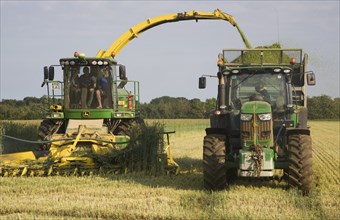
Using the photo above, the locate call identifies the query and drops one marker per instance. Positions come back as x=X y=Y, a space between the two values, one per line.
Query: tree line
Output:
x=319 y=107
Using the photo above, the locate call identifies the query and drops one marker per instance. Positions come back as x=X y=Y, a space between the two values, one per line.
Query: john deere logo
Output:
x=86 y=114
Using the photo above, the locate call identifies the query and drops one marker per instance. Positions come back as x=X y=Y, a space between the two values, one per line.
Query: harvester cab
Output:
x=92 y=88
x=89 y=88
x=260 y=123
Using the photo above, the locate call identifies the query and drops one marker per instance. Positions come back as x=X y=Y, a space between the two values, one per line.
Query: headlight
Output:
x=277 y=70
x=246 y=117
x=265 y=117
x=287 y=70
x=56 y=115
x=217 y=112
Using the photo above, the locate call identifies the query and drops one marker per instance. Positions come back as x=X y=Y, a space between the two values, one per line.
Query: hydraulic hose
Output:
x=62 y=139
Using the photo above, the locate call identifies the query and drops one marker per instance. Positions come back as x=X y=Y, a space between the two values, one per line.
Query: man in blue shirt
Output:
x=103 y=89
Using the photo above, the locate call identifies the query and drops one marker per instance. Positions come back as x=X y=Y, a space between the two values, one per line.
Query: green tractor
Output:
x=90 y=89
x=259 y=128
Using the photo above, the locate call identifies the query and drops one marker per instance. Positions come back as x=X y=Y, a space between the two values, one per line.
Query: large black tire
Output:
x=299 y=172
x=214 y=167
x=46 y=129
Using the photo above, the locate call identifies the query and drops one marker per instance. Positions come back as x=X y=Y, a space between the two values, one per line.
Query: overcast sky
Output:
x=167 y=59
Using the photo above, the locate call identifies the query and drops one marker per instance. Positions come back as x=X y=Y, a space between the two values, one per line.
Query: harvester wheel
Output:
x=214 y=168
x=299 y=172
x=46 y=129
x=125 y=125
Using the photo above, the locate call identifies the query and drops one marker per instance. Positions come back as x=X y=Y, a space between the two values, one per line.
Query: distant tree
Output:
x=323 y=107
x=197 y=108
x=31 y=100
x=319 y=107
x=209 y=105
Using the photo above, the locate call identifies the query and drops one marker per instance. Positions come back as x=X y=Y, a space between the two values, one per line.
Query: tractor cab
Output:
x=274 y=76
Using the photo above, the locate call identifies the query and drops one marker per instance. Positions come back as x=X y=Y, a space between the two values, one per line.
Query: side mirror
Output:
x=122 y=72
x=311 y=79
x=45 y=72
x=51 y=73
x=202 y=82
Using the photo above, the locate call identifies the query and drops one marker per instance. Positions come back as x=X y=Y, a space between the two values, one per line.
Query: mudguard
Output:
x=290 y=131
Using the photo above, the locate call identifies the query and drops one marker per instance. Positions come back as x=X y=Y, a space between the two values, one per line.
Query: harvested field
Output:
x=138 y=196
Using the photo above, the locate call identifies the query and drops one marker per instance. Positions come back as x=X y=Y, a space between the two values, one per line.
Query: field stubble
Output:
x=139 y=196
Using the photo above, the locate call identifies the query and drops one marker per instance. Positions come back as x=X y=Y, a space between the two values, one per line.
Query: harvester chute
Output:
x=136 y=30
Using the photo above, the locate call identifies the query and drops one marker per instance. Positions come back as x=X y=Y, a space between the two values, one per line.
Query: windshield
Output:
x=88 y=87
x=258 y=87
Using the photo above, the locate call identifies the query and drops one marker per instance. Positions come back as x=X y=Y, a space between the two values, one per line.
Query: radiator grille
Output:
x=263 y=129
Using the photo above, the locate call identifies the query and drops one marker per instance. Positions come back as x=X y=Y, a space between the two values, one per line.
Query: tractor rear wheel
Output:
x=214 y=168
x=299 y=172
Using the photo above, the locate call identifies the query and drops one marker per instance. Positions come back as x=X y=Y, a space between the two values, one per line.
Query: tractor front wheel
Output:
x=214 y=168
x=299 y=172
